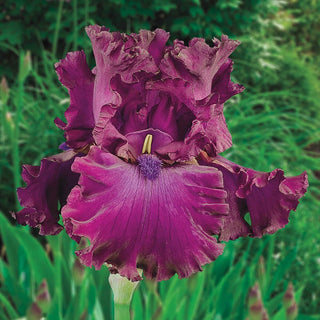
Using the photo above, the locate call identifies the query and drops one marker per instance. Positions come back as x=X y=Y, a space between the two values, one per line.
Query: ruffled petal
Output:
x=116 y=53
x=206 y=68
x=267 y=196
x=163 y=226
x=77 y=77
x=200 y=79
x=131 y=113
x=48 y=186
x=153 y=41
x=198 y=138
x=176 y=87
x=218 y=134
x=208 y=111
x=164 y=116
x=190 y=147
x=107 y=135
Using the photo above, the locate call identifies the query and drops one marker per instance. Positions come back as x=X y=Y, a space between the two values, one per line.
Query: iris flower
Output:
x=141 y=176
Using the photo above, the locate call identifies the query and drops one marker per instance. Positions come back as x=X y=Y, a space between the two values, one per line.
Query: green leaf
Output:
x=40 y=265
x=11 y=244
x=137 y=306
x=283 y=267
x=8 y=307
x=280 y=315
x=193 y=303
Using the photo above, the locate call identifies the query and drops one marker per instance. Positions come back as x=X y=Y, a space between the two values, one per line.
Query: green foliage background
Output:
x=274 y=123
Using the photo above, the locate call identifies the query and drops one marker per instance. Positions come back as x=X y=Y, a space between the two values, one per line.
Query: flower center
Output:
x=149 y=164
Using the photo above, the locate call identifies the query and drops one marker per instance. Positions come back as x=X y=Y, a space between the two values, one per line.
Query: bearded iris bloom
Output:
x=141 y=176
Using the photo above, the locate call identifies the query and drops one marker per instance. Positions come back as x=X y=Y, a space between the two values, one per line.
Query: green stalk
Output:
x=57 y=251
x=121 y=311
x=24 y=68
x=75 y=23
x=4 y=97
x=123 y=290
x=269 y=263
x=57 y=29
x=86 y=10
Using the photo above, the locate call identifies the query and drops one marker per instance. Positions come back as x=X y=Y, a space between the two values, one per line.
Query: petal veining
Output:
x=163 y=226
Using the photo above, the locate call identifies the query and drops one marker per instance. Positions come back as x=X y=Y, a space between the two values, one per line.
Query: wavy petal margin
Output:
x=48 y=186
x=206 y=68
x=163 y=226
x=75 y=75
x=116 y=53
x=267 y=196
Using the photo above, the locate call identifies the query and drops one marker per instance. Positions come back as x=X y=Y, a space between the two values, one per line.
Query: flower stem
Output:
x=121 y=311
x=57 y=29
x=122 y=289
x=75 y=24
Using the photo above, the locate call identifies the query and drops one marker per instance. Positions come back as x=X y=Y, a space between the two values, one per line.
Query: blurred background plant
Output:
x=274 y=123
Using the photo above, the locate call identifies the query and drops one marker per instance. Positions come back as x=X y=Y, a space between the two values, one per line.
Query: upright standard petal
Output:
x=206 y=68
x=199 y=77
x=162 y=222
x=115 y=53
x=76 y=76
x=48 y=187
x=267 y=196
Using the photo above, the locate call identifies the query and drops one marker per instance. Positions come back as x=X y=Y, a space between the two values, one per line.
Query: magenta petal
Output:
x=267 y=196
x=219 y=135
x=176 y=87
x=198 y=139
x=153 y=41
x=131 y=112
x=164 y=117
x=163 y=226
x=48 y=186
x=116 y=53
x=189 y=148
x=76 y=76
x=204 y=67
x=107 y=135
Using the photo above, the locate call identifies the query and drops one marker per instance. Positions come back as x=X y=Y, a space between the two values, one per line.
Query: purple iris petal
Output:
x=116 y=53
x=204 y=67
x=153 y=41
x=267 y=196
x=131 y=114
x=207 y=71
x=106 y=134
x=75 y=75
x=163 y=225
x=48 y=187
